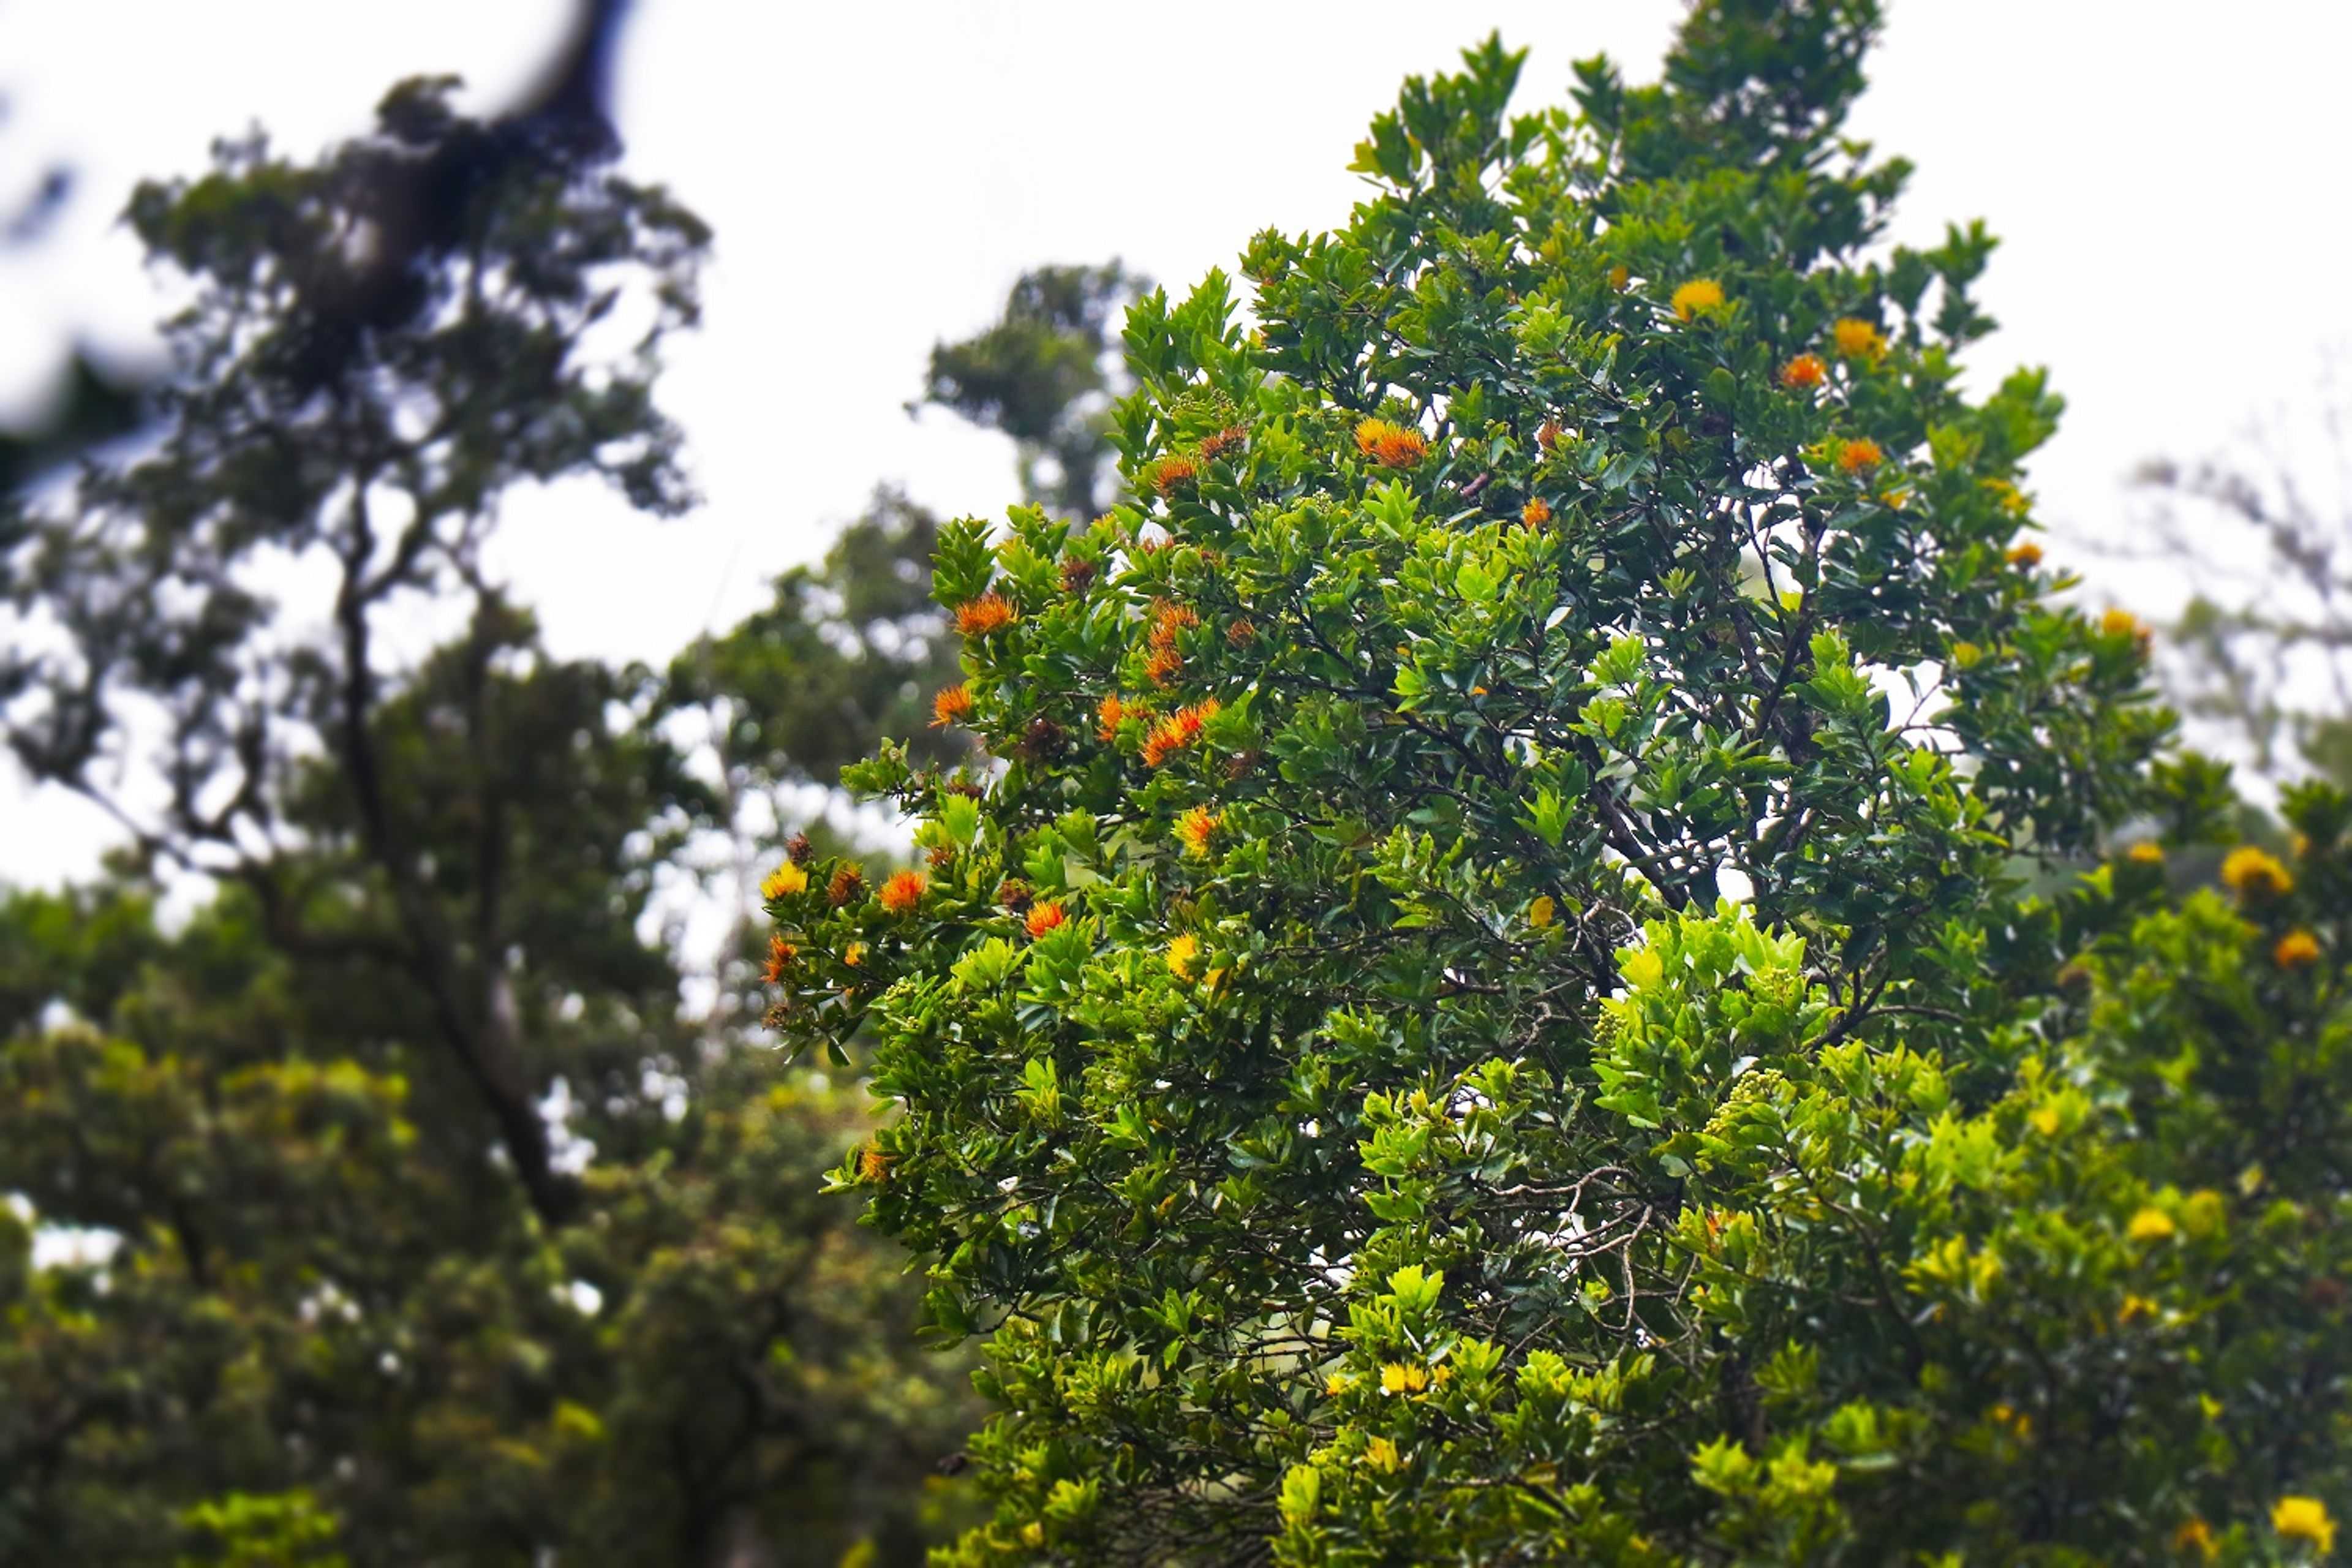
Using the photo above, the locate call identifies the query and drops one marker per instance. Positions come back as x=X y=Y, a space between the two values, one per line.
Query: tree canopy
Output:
x=1561 y=949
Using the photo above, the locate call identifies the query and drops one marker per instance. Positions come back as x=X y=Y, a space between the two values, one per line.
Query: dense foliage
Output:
x=1328 y=1069
x=389 y=1207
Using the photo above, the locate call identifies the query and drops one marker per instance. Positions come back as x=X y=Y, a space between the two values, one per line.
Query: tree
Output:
x=2259 y=652
x=439 y=1225
x=1045 y=373
x=1328 y=1069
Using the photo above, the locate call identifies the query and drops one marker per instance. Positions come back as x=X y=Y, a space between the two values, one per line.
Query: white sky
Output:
x=2165 y=179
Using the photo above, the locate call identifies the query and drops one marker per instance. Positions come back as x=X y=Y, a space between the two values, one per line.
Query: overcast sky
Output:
x=2165 y=178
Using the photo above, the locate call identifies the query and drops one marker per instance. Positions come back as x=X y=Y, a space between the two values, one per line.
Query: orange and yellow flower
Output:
x=2025 y=555
x=2298 y=949
x=1182 y=955
x=780 y=954
x=951 y=706
x=987 y=614
x=1176 y=731
x=1859 y=456
x=1802 y=371
x=783 y=882
x=847 y=883
x=1196 y=828
x=1044 y=918
x=1171 y=472
x=1391 y=445
x=1107 y=715
x=903 y=891
x=1535 y=513
x=2121 y=623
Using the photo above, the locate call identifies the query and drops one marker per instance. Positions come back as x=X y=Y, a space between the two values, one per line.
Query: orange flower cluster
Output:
x=1044 y=918
x=1171 y=472
x=951 y=706
x=780 y=954
x=873 y=1165
x=2298 y=949
x=1535 y=513
x=1108 y=714
x=978 y=617
x=1391 y=445
x=1804 y=370
x=1224 y=441
x=1242 y=633
x=1176 y=731
x=2025 y=556
x=1162 y=665
x=1196 y=828
x=903 y=891
x=1859 y=456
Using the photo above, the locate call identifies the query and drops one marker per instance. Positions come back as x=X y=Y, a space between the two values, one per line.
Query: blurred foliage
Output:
x=418 y=1221
x=1330 y=1085
x=2260 y=658
x=1046 y=374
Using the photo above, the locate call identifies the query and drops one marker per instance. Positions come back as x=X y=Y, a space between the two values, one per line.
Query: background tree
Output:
x=436 y=1219
x=1047 y=375
x=1327 y=1074
x=2260 y=658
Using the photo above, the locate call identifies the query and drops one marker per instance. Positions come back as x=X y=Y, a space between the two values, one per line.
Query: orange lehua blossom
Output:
x=780 y=954
x=1161 y=667
x=1171 y=472
x=1176 y=731
x=978 y=617
x=951 y=706
x=903 y=891
x=1391 y=445
x=2025 y=555
x=1108 y=715
x=2252 y=873
x=1804 y=370
x=1044 y=918
x=2298 y=949
x=1169 y=620
x=1535 y=513
x=873 y=1165
x=1196 y=828
x=1860 y=455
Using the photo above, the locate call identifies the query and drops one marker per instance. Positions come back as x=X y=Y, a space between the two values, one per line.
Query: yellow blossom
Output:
x=1402 y=1377
x=784 y=881
x=1698 y=294
x=1535 y=513
x=1541 y=912
x=2146 y=852
x=2196 y=1536
x=1182 y=955
x=2121 y=623
x=1858 y=338
x=2305 y=1519
x=2252 y=873
x=1382 y=1454
x=1391 y=445
x=2025 y=556
x=2047 y=1120
x=2150 y=1224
